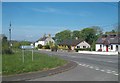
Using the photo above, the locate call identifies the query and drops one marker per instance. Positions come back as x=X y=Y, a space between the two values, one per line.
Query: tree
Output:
x=16 y=44
x=88 y=34
x=66 y=34
x=76 y=34
x=109 y=32
x=5 y=45
x=98 y=30
x=25 y=43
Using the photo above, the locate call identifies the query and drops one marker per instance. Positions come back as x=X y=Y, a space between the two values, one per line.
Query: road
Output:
x=90 y=68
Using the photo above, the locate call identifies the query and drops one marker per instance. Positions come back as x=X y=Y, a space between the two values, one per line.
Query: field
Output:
x=13 y=64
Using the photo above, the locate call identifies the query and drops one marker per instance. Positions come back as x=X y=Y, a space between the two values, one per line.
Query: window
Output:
x=100 y=46
x=78 y=46
x=116 y=47
x=111 y=47
x=84 y=46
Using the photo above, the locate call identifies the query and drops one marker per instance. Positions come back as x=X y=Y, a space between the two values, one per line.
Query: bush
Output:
x=40 y=46
x=7 y=51
x=82 y=49
x=63 y=47
x=47 y=47
x=54 y=48
x=100 y=50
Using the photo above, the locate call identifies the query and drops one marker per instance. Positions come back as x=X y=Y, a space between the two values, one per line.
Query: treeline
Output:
x=89 y=34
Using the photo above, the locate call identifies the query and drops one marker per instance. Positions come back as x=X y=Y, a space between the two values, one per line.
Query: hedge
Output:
x=82 y=49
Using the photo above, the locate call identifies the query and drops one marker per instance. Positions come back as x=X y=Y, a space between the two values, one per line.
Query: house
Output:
x=44 y=41
x=74 y=43
x=108 y=43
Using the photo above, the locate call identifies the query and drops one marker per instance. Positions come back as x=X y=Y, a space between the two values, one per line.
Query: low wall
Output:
x=101 y=53
x=45 y=49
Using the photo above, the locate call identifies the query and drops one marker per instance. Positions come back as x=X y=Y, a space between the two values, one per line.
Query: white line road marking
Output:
x=116 y=74
x=108 y=72
x=113 y=71
x=80 y=64
x=91 y=67
x=84 y=65
x=97 y=68
x=87 y=65
x=102 y=70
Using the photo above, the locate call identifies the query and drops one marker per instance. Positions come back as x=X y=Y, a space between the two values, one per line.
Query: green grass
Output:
x=13 y=64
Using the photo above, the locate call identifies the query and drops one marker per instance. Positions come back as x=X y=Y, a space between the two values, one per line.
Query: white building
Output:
x=108 y=43
x=83 y=44
x=43 y=41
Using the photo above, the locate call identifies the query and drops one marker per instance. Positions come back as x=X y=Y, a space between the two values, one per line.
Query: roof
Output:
x=109 y=39
x=71 y=42
x=42 y=39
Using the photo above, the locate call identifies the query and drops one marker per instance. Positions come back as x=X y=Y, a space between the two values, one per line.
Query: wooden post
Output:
x=32 y=55
x=23 y=56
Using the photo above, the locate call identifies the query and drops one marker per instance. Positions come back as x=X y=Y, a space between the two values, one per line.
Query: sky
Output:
x=31 y=20
x=60 y=0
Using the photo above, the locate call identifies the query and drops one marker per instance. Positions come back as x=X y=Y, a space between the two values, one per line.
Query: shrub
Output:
x=7 y=51
x=63 y=47
x=82 y=49
x=47 y=47
x=100 y=50
x=40 y=46
x=54 y=48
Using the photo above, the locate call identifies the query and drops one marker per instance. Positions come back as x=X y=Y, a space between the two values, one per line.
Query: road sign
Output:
x=27 y=47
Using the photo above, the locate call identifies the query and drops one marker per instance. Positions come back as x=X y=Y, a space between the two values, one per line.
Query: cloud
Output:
x=45 y=10
x=62 y=12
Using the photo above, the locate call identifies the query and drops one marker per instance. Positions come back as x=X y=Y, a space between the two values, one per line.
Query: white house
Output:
x=45 y=40
x=83 y=44
x=74 y=43
x=108 y=43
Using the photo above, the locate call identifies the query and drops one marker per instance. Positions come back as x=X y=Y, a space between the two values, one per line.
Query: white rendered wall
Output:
x=83 y=44
x=109 y=47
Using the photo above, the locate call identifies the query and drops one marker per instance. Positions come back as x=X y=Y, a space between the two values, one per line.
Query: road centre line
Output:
x=102 y=70
x=91 y=67
x=97 y=68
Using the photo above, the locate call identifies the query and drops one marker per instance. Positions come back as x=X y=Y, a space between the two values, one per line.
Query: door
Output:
x=106 y=48
x=116 y=47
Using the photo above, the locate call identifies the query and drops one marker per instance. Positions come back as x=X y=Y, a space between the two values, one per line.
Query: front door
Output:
x=106 y=48
x=116 y=47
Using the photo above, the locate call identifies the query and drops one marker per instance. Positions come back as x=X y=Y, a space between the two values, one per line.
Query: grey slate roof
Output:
x=70 y=42
x=110 y=39
x=42 y=39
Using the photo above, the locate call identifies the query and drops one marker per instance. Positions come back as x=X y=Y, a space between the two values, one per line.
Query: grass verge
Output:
x=13 y=64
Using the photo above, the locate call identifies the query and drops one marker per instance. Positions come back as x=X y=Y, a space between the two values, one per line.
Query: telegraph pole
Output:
x=10 y=35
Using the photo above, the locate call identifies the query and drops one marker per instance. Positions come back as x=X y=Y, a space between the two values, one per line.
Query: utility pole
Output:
x=10 y=35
